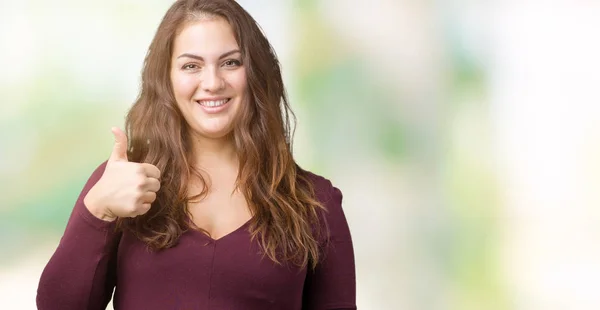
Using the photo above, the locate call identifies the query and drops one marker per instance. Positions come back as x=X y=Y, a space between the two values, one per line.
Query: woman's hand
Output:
x=126 y=189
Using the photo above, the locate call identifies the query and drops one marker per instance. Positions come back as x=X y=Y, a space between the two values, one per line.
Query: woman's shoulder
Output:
x=325 y=191
x=331 y=199
x=322 y=185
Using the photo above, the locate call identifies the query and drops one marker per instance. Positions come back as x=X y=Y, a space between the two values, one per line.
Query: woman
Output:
x=205 y=208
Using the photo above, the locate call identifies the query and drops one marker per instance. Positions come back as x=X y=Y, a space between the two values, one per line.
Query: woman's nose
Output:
x=211 y=80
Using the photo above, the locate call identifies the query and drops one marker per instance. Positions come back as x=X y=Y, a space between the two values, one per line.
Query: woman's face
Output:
x=208 y=77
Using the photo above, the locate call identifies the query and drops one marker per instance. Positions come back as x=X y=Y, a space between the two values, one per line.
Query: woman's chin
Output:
x=213 y=133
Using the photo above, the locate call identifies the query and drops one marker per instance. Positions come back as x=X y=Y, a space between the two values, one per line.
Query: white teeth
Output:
x=213 y=103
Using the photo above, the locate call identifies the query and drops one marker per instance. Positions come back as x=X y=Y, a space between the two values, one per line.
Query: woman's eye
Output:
x=232 y=63
x=189 y=66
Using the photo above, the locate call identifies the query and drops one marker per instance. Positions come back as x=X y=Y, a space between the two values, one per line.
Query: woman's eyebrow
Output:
x=202 y=59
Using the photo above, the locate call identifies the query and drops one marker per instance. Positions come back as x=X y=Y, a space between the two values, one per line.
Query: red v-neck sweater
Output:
x=92 y=260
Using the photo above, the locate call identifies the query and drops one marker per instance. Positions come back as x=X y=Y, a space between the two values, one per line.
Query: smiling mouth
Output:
x=213 y=103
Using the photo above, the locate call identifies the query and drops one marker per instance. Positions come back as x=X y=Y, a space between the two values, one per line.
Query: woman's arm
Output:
x=332 y=285
x=81 y=273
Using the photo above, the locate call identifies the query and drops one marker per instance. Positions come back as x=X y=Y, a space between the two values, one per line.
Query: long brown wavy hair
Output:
x=280 y=195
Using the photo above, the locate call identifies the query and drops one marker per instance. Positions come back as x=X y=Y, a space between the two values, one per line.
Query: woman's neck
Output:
x=215 y=154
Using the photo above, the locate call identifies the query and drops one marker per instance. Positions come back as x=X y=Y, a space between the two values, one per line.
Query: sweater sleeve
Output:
x=81 y=273
x=332 y=284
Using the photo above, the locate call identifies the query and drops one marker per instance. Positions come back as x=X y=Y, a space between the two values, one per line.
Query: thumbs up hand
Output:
x=126 y=189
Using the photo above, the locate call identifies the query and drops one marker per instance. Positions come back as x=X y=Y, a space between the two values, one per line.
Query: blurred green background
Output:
x=465 y=136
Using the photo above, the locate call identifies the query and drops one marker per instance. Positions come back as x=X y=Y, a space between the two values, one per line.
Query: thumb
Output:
x=119 y=152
